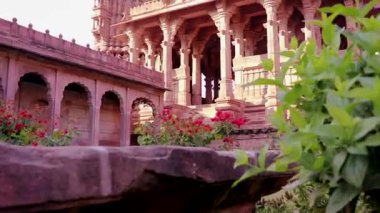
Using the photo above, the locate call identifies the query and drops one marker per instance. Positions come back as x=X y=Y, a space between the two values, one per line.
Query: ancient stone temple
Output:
x=209 y=51
x=196 y=56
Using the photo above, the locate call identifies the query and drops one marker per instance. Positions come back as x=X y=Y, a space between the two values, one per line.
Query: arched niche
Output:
x=75 y=111
x=110 y=120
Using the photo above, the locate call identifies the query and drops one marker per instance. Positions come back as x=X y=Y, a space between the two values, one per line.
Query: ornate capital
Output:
x=170 y=26
x=221 y=19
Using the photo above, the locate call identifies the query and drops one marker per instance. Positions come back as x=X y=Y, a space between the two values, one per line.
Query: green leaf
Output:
x=241 y=158
x=318 y=164
x=368 y=7
x=372 y=140
x=248 y=174
x=294 y=43
x=267 y=81
x=267 y=64
x=341 y=197
x=338 y=162
x=340 y=116
x=358 y=149
x=364 y=126
x=361 y=93
x=281 y=166
x=263 y=157
x=288 y=53
x=355 y=169
x=297 y=119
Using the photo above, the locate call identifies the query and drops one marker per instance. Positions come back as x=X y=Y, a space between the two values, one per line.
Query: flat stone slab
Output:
x=128 y=179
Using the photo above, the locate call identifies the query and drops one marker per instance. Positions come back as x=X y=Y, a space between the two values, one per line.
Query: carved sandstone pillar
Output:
x=208 y=88
x=273 y=51
x=151 y=57
x=196 y=78
x=350 y=24
x=184 y=97
x=239 y=44
x=221 y=19
x=169 y=29
x=310 y=8
x=284 y=39
x=95 y=116
x=134 y=45
x=12 y=80
x=184 y=79
x=238 y=29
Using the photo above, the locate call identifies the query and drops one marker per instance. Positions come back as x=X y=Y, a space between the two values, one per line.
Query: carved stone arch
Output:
x=86 y=89
x=41 y=75
x=146 y=101
x=34 y=93
x=76 y=108
x=110 y=119
x=119 y=97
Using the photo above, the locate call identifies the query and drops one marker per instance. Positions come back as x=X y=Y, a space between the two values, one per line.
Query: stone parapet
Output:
x=130 y=179
x=26 y=39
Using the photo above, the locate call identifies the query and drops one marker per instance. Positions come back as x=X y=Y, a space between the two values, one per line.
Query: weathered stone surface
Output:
x=130 y=179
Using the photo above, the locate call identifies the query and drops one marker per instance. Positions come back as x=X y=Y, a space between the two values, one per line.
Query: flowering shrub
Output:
x=169 y=129
x=24 y=128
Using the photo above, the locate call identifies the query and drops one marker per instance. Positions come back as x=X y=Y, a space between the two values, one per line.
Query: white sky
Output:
x=72 y=18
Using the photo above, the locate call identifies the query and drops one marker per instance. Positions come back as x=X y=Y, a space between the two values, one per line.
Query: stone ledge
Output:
x=34 y=179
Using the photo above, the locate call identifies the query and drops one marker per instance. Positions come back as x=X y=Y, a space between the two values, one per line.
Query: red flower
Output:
x=221 y=116
x=208 y=127
x=23 y=114
x=216 y=119
x=41 y=133
x=34 y=143
x=19 y=126
x=198 y=122
x=228 y=140
x=239 y=121
x=8 y=123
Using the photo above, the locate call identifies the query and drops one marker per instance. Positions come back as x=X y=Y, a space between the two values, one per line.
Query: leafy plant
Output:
x=169 y=129
x=25 y=128
x=329 y=119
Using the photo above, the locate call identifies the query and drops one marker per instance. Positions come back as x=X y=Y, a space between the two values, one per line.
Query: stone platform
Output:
x=130 y=179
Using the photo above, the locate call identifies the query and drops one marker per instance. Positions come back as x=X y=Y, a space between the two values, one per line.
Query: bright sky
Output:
x=72 y=18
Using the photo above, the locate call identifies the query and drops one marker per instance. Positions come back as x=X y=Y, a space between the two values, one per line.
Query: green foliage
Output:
x=332 y=129
x=303 y=199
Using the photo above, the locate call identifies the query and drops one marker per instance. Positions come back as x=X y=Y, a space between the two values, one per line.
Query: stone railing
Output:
x=254 y=93
x=248 y=62
x=15 y=36
x=147 y=6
